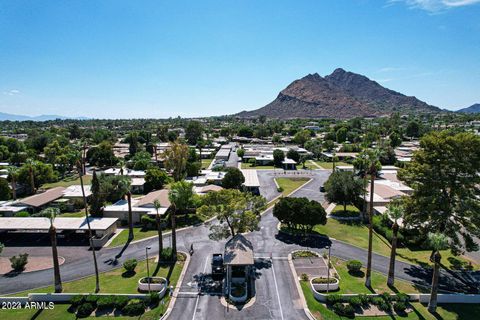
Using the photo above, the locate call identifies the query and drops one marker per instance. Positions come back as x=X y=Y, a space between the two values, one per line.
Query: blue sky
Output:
x=131 y=59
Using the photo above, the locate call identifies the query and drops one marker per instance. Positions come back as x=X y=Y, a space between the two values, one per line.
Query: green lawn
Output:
x=110 y=282
x=444 y=311
x=356 y=284
x=206 y=163
x=139 y=233
x=355 y=233
x=77 y=214
x=329 y=165
x=69 y=181
x=352 y=211
x=290 y=184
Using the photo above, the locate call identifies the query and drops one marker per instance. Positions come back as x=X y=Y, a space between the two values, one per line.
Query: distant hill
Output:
x=340 y=95
x=472 y=109
x=43 y=117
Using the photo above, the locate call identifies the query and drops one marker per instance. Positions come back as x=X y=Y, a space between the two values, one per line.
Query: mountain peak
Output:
x=475 y=108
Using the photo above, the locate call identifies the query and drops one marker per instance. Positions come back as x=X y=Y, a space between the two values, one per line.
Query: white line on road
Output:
x=276 y=288
x=198 y=297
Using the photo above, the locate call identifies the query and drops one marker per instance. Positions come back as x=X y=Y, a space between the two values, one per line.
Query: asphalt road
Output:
x=276 y=294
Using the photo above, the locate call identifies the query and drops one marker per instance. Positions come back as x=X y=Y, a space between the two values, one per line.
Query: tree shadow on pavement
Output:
x=310 y=241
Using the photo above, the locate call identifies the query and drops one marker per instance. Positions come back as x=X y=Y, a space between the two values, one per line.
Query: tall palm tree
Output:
x=438 y=241
x=395 y=212
x=180 y=195
x=157 y=206
x=13 y=174
x=31 y=163
x=52 y=231
x=373 y=160
x=90 y=235
x=124 y=186
x=121 y=163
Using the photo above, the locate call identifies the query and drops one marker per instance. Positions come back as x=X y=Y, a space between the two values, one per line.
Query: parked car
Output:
x=322 y=189
x=217 y=265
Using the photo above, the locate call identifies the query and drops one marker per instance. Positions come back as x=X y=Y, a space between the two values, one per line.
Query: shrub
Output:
x=355 y=302
x=92 y=299
x=280 y=189
x=323 y=280
x=304 y=277
x=153 y=299
x=22 y=214
x=120 y=302
x=386 y=297
x=384 y=306
x=77 y=300
x=377 y=301
x=85 y=310
x=147 y=222
x=130 y=265
x=365 y=300
x=333 y=299
x=304 y=254
x=166 y=254
x=343 y=310
x=135 y=307
x=400 y=307
x=402 y=297
x=105 y=302
x=19 y=263
x=354 y=266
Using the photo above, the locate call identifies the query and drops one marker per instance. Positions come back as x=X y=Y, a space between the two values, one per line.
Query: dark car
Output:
x=217 y=265
x=322 y=189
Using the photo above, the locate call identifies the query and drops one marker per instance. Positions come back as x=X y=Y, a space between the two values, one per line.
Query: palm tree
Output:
x=13 y=174
x=395 y=212
x=373 y=168
x=180 y=196
x=438 y=241
x=90 y=235
x=52 y=231
x=121 y=163
x=124 y=186
x=360 y=164
x=157 y=206
x=31 y=163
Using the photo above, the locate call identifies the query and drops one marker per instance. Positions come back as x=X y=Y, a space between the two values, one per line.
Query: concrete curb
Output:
x=177 y=287
x=299 y=289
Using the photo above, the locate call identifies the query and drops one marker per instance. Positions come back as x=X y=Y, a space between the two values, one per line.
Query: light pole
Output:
x=328 y=269
x=148 y=269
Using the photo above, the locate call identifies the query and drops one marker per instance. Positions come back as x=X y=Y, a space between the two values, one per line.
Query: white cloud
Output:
x=435 y=5
x=11 y=92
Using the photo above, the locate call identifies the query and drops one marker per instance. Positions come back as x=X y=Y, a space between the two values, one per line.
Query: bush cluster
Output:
x=354 y=266
x=130 y=265
x=105 y=302
x=19 y=263
x=85 y=310
x=148 y=222
x=383 y=226
x=134 y=307
x=343 y=309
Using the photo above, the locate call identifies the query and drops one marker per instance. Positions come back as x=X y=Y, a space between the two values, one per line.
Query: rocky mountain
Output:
x=43 y=117
x=472 y=109
x=339 y=95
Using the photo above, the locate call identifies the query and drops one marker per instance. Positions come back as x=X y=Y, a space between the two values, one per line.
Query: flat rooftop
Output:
x=251 y=178
x=41 y=223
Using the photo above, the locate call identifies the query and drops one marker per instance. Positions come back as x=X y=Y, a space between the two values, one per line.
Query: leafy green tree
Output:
x=233 y=179
x=315 y=147
x=97 y=201
x=134 y=144
x=180 y=196
x=4 y=189
x=102 y=155
x=301 y=137
x=341 y=135
x=142 y=160
x=240 y=152
x=413 y=129
x=328 y=145
x=155 y=179
x=237 y=212
x=395 y=139
x=193 y=132
x=300 y=213
x=278 y=157
x=36 y=173
x=245 y=131
x=176 y=159
x=343 y=187
x=294 y=155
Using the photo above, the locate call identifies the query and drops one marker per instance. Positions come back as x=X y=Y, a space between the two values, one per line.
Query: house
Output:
x=137 y=185
x=206 y=189
x=223 y=153
x=251 y=184
x=39 y=201
x=140 y=206
x=102 y=228
x=289 y=164
x=10 y=208
x=238 y=261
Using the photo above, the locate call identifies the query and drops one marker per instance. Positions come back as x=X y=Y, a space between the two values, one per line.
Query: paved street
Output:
x=276 y=294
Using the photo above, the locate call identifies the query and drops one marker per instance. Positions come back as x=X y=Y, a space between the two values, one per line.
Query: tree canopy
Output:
x=300 y=213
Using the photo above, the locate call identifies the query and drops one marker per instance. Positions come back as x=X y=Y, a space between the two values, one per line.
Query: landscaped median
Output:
x=352 y=299
x=123 y=294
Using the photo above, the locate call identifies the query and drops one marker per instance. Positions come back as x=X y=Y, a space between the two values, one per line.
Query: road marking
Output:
x=276 y=288
x=198 y=296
